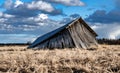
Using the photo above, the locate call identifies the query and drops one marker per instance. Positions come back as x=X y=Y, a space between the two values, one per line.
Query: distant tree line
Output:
x=109 y=41
x=14 y=44
x=100 y=41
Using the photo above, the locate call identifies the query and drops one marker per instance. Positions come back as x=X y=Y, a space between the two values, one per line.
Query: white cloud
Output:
x=40 y=17
x=41 y=5
x=111 y=31
x=26 y=27
x=96 y=26
x=115 y=33
x=17 y=3
x=6 y=27
x=1 y=14
x=2 y=20
x=8 y=16
x=4 y=15
x=8 y=4
x=69 y=2
x=43 y=16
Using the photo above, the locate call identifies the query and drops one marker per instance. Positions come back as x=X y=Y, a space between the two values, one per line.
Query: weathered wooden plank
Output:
x=77 y=40
x=81 y=34
x=61 y=40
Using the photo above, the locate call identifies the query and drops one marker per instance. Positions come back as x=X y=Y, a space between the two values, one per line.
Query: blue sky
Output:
x=25 y=20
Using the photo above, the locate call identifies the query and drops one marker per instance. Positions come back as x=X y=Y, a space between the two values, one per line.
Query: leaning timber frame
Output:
x=75 y=35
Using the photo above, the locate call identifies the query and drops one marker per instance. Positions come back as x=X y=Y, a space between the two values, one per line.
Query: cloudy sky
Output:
x=24 y=20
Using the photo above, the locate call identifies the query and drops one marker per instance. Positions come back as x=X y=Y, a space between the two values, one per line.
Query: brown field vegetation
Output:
x=18 y=59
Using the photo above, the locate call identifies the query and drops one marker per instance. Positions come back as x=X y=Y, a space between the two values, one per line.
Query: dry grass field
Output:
x=18 y=59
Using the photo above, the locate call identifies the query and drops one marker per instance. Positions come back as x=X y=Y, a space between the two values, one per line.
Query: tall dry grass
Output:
x=18 y=59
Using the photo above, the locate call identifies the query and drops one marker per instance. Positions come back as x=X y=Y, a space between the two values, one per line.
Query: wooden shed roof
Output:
x=52 y=33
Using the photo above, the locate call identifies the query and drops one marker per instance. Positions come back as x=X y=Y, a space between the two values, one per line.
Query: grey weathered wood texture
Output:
x=76 y=34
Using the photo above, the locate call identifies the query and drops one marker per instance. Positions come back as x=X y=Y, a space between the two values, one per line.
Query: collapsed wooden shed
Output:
x=76 y=34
